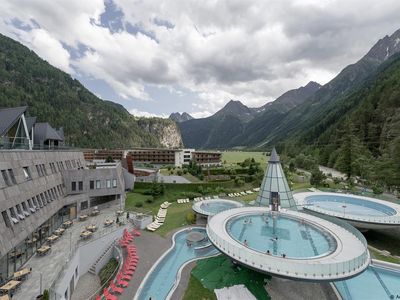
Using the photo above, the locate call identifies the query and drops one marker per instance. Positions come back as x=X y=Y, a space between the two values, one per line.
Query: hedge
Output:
x=108 y=270
x=187 y=187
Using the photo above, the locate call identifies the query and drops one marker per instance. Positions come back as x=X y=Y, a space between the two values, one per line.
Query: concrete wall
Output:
x=84 y=258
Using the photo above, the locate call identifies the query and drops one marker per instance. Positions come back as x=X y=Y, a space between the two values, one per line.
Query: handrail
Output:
x=97 y=235
x=312 y=269
x=99 y=290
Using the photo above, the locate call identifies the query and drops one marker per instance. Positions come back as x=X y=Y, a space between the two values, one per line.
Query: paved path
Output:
x=87 y=285
x=283 y=289
x=150 y=246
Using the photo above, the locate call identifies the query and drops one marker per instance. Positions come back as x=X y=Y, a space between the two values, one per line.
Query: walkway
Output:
x=50 y=265
x=87 y=285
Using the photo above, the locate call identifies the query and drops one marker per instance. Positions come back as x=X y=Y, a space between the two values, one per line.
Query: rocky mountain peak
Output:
x=385 y=47
x=180 y=117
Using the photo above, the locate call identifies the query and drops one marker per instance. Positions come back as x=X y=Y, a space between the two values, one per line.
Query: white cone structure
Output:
x=274 y=191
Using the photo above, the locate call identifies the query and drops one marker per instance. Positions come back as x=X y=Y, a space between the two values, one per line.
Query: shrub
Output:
x=139 y=204
x=45 y=295
x=108 y=270
x=190 y=218
x=377 y=190
x=179 y=172
x=149 y=200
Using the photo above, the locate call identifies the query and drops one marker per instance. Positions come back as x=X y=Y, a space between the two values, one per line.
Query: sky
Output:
x=160 y=56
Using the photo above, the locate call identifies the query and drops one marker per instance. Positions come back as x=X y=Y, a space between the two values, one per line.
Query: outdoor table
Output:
x=120 y=212
x=43 y=250
x=91 y=228
x=86 y=234
x=4 y=297
x=83 y=217
x=108 y=222
x=59 y=231
x=22 y=273
x=52 y=239
x=95 y=212
x=9 y=286
x=67 y=224
x=29 y=242
x=16 y=254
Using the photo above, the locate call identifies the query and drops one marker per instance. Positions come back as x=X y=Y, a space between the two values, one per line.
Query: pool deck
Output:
x=350 y=257
x=150 y=247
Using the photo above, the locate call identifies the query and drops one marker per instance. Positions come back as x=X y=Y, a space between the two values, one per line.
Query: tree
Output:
x=317 y=177
x=109 y=159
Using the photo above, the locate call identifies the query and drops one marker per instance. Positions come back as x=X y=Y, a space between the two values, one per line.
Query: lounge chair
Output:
x=108 y=296
x=115 y=289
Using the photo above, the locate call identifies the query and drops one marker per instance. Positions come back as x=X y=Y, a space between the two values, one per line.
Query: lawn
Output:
x=196 y=291
x=375 y=254
x=233 y=157
x=176 y=216
x=219 y=272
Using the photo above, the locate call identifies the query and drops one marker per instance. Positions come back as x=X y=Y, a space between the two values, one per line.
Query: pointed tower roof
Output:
x=275 y=181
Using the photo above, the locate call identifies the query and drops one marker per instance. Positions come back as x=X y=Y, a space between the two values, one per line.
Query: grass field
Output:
x=196 y=291
x=176 y=216
x=233 y=157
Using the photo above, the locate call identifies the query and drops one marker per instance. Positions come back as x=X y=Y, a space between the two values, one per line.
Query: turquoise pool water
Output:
x=281 y=235
x=215 y=206
x=346 y=204
x=373 y=284
x=161 y=280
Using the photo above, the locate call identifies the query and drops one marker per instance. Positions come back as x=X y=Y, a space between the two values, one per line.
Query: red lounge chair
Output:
x=135 y=232
x=122 y=282
x=108 y=295
x=129 y=268
x=115 y=289
x=98 y=297
x=124 y=277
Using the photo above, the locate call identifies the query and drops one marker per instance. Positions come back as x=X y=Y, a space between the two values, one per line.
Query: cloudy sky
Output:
x=159 y=56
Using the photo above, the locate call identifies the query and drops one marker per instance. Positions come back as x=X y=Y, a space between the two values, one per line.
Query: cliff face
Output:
x=165 y=130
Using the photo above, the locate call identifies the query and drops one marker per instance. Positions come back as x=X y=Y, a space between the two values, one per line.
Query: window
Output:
x=44 y=170
x=19 y=212
x=5 y=177
x=13 y=215
x=98 y=184
x=43 y=199
x=108 y=183
x=6 y=218
x=91 y=184
x=114 y=183
x=25 y=209
x=11 y=173
x=39 y=171
x=27 y=173
x=80 y=185
x=73 y=186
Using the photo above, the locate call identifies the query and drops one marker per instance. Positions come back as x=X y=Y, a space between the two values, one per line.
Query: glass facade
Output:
x=17 y=257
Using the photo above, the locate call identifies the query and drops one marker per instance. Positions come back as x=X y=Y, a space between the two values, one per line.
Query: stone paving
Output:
x=88 y=284
x=49 y=266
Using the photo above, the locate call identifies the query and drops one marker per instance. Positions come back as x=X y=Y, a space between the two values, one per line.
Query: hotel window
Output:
x=24 y=209
x=27 y=173
x=5 y=177
x=114 y=183
x=36 y=202
x=80 y=185
x=31 y=208
x=43 y=199
x=44 y=170
x=98 y=184
x=39 y=170
x=74 y=163
x=6 y=218
x=73 y=186
x=13 y=215
x=11 y=174
x=20 y=214
x=47 y=196
x=108 y=183
x=91 y=184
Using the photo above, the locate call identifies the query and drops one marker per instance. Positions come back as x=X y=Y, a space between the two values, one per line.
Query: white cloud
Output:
x=218 y=50
x=138 y=113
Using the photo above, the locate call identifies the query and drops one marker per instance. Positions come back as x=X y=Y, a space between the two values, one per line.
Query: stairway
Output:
x=92 y=269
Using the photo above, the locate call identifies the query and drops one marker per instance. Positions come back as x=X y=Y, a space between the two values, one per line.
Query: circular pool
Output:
x=214 y=206
x=362 y=212
x=281 y=235
x=289 y=243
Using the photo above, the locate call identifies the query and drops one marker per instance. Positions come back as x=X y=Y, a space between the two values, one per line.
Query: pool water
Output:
x=215 y=206
x=375 y=283
x=354 y=206
x=281 y=235
x=162 y=278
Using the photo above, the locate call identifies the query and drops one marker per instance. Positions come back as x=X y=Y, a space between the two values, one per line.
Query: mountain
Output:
x=236 y=124
x=54 y=97
x=178 y=117
x=318 y=106
x=360 y=135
